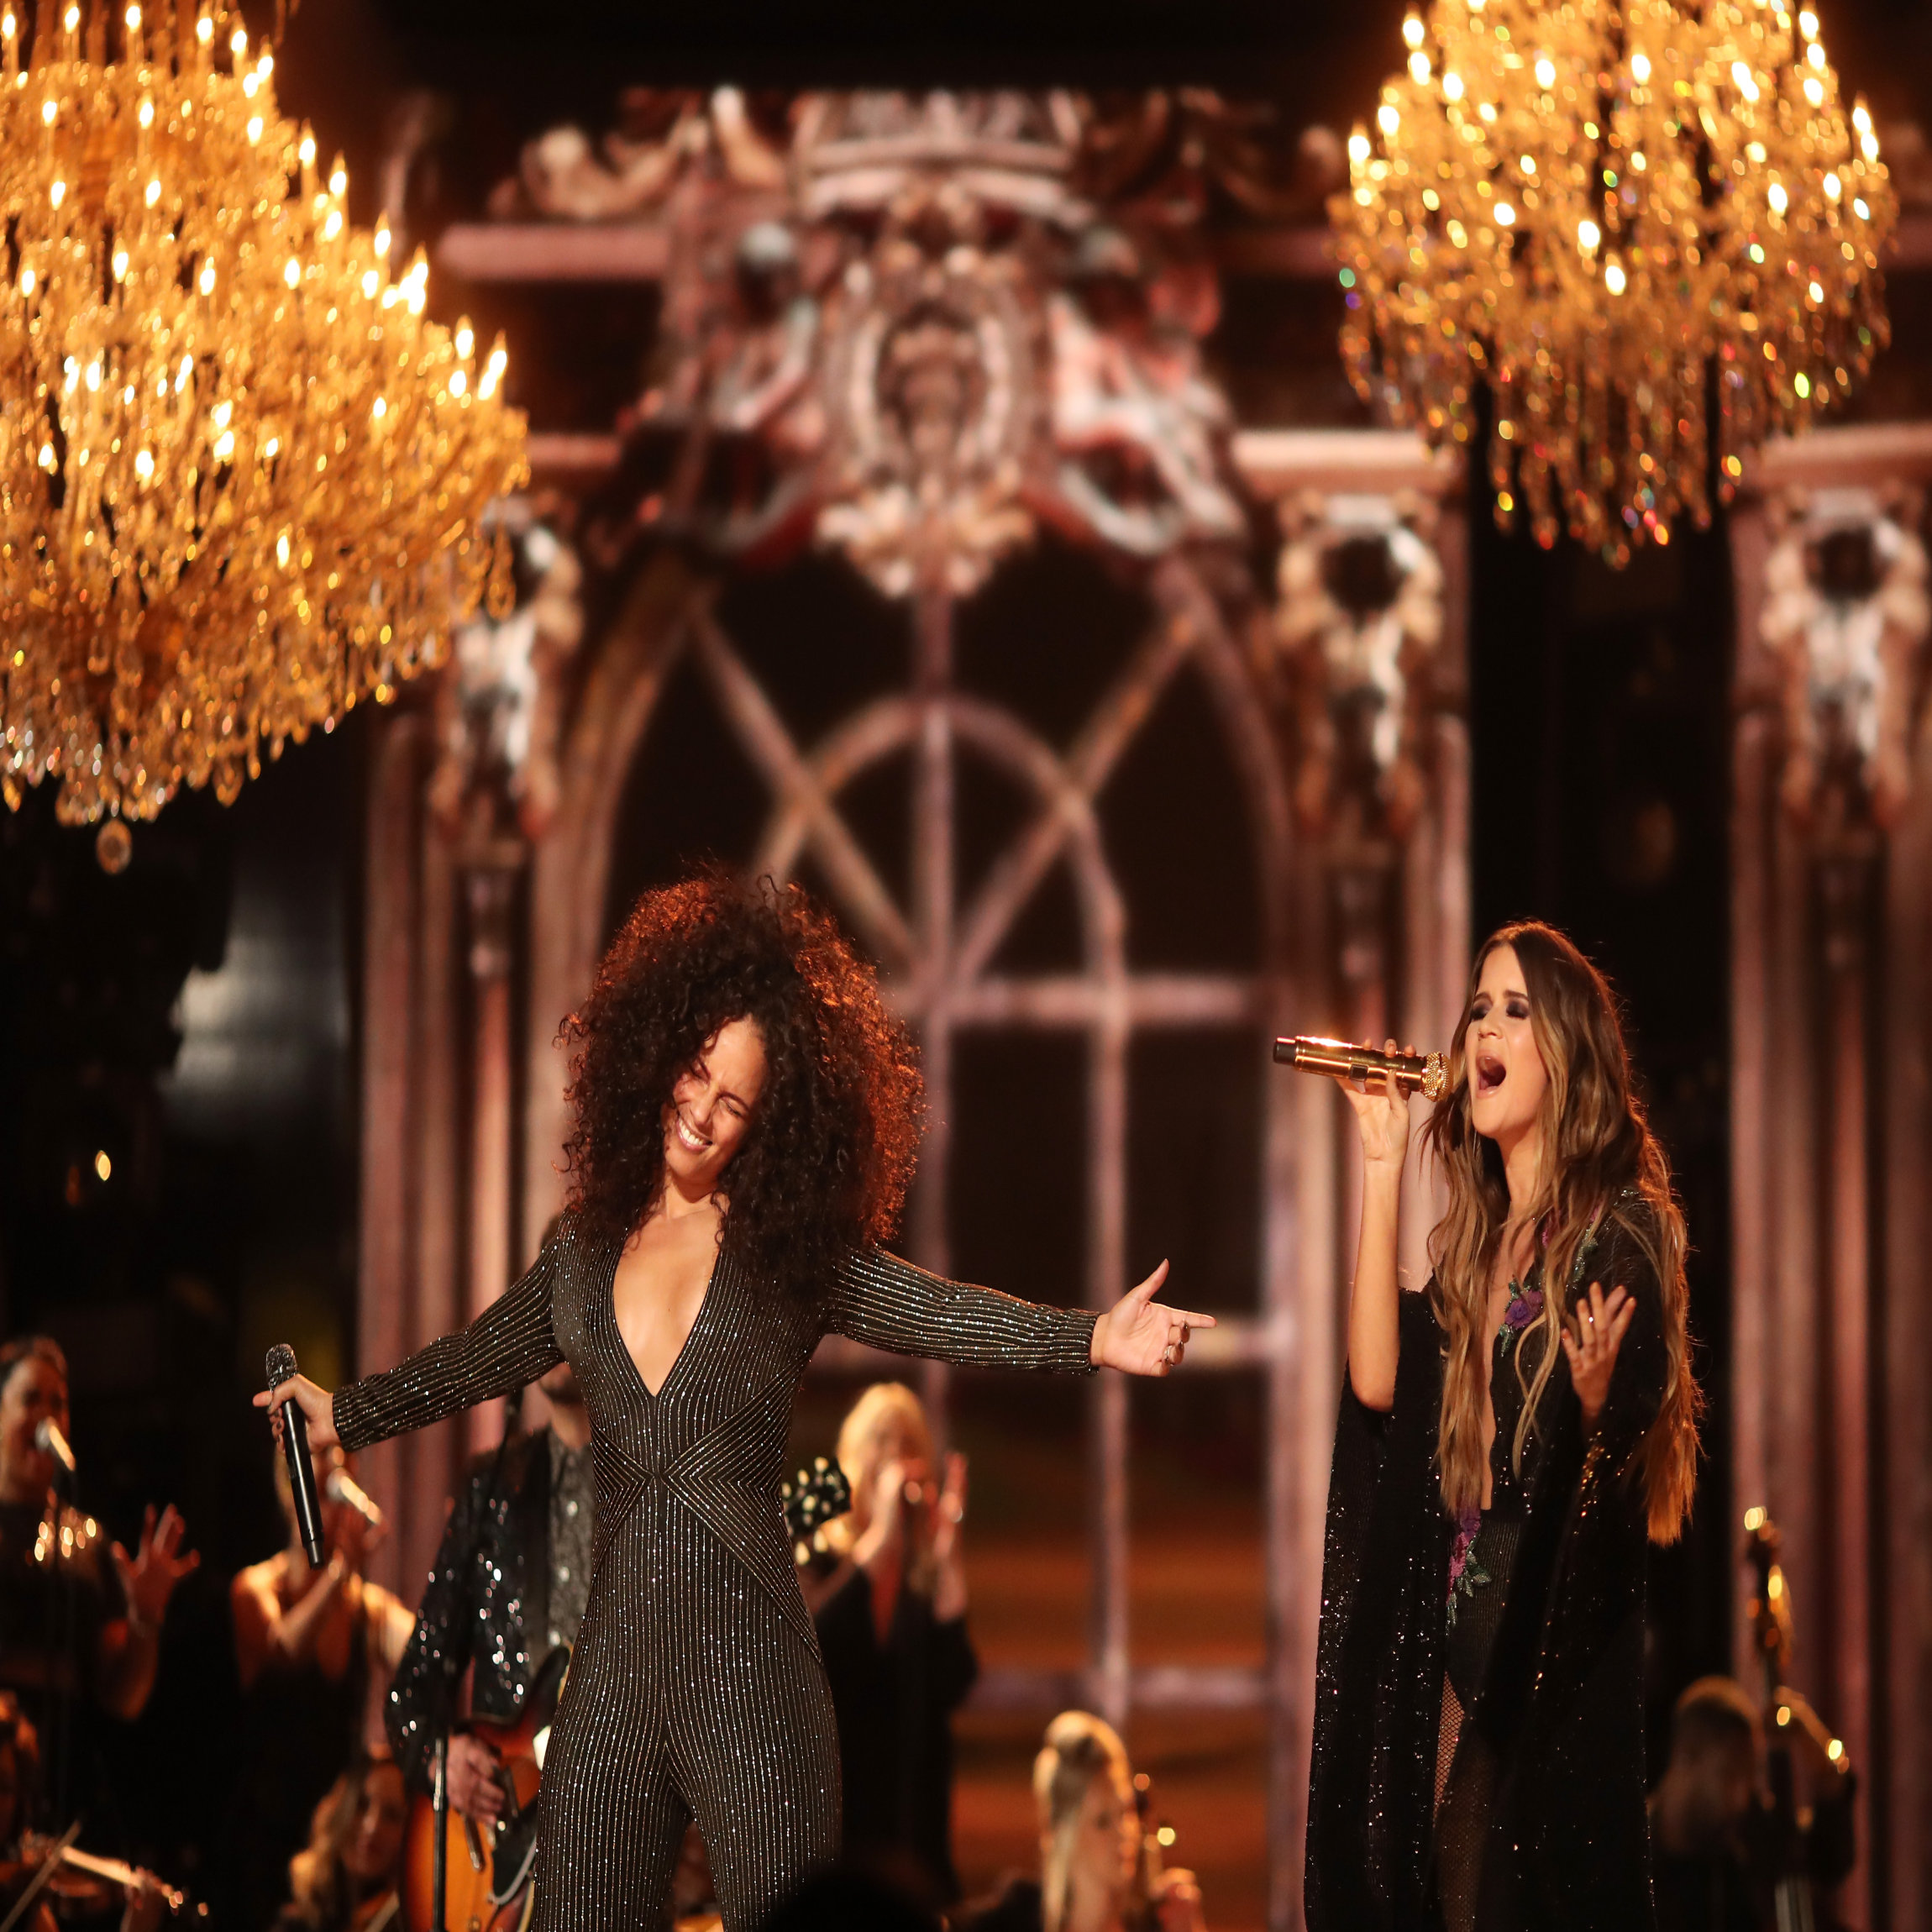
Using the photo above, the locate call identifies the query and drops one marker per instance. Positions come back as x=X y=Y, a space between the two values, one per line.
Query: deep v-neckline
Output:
x=684 y=1347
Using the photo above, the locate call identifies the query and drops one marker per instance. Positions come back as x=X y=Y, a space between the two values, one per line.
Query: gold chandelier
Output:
x=241 y=476
x=1610 y=212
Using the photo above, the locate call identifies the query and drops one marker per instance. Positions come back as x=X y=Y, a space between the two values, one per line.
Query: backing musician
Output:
x=1716 y=1858
x=80 y=1619
x=510 y=1580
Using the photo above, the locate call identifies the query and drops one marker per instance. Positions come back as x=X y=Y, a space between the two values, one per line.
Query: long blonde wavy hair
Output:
x=1597 y=1144
x=1079 y=1748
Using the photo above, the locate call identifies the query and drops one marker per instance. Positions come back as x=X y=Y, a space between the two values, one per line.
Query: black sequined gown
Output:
x=696 y=1688
x=1484 y=1771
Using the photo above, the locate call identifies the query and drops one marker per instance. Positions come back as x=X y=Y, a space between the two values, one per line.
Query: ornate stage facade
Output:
x=923 y=338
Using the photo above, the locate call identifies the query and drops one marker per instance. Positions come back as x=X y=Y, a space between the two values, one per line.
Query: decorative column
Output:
x=1363 y=661
x=458 y=789
x=1831 y=1132
x=491 y=879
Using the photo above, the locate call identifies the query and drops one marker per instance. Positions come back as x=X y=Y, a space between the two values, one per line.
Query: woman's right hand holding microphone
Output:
x=1382 y=1114
x=318 y=1407
x=1374 y=1319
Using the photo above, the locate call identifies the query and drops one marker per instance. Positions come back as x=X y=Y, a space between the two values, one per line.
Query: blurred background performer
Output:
x=1097 y=1873
x=511 y=1579
x=1509 y=1440
x=346 y=1878
x=80 y=1619
x=746 y=1116
x=82 y=1898
x=1714 y=1836
x=313 y=1648
x=892 y=1630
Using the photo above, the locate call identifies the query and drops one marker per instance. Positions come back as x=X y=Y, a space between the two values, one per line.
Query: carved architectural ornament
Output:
x=497 y=707
x=925 y=325
x=1359 y=619
x=1846 y=618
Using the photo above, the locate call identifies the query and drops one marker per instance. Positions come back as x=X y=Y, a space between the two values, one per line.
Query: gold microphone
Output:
x=1426 y=1072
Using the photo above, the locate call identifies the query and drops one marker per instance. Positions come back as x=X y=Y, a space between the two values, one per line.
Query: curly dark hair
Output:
x=832 y=1145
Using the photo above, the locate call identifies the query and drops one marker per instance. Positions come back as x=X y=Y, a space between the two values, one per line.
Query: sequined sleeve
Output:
x=509 y=1345
x=889 y=1303
x=421 y=1693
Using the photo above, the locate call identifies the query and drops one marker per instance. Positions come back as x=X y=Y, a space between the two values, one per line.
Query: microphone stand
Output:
x=440 y=1807
x=439 y=1786
x=58 y=1695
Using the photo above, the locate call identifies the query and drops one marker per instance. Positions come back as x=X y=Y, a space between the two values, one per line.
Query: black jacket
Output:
x=487 y=1603
x=894 y=1702
x=1559 y=1721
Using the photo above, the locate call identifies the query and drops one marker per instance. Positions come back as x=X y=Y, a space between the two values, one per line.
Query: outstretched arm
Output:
x=508 y=1344
x=889 y=1303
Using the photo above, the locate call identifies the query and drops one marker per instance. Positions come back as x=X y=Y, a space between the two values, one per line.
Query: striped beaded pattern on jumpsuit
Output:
x=696 y=1689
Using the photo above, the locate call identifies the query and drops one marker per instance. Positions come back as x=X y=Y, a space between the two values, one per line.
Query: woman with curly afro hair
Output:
x=747 y=1113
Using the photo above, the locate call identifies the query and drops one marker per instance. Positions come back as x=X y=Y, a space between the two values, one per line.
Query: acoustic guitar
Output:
x=487 y=1870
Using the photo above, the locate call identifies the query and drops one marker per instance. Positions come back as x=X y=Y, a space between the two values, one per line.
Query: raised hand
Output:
x=149 y=1577
x=1382 y=1114
x=1139 y=1336
x=317 y=1404
x=951 y=1512
x=1591 y=1339
x=1177 y=1902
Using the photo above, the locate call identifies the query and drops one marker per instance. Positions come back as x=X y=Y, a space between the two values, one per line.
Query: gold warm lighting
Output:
x=241 y=476
x=1605 y=212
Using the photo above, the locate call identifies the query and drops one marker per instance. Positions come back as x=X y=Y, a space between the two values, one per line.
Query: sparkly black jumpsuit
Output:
x=696 y=1689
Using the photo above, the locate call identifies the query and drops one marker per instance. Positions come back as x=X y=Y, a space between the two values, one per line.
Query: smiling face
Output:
x=1507 y=1078
x=712 y=1107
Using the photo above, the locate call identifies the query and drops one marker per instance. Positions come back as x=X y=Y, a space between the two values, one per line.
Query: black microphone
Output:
x=49 y=1441
x=294 y=1447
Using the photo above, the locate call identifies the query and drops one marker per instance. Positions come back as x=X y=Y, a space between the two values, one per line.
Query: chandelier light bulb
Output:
x=1649 y=229
x=210 y=543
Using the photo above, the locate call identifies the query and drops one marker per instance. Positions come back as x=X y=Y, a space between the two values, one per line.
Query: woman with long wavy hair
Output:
x=747 y=1117
x=1511 y=1438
